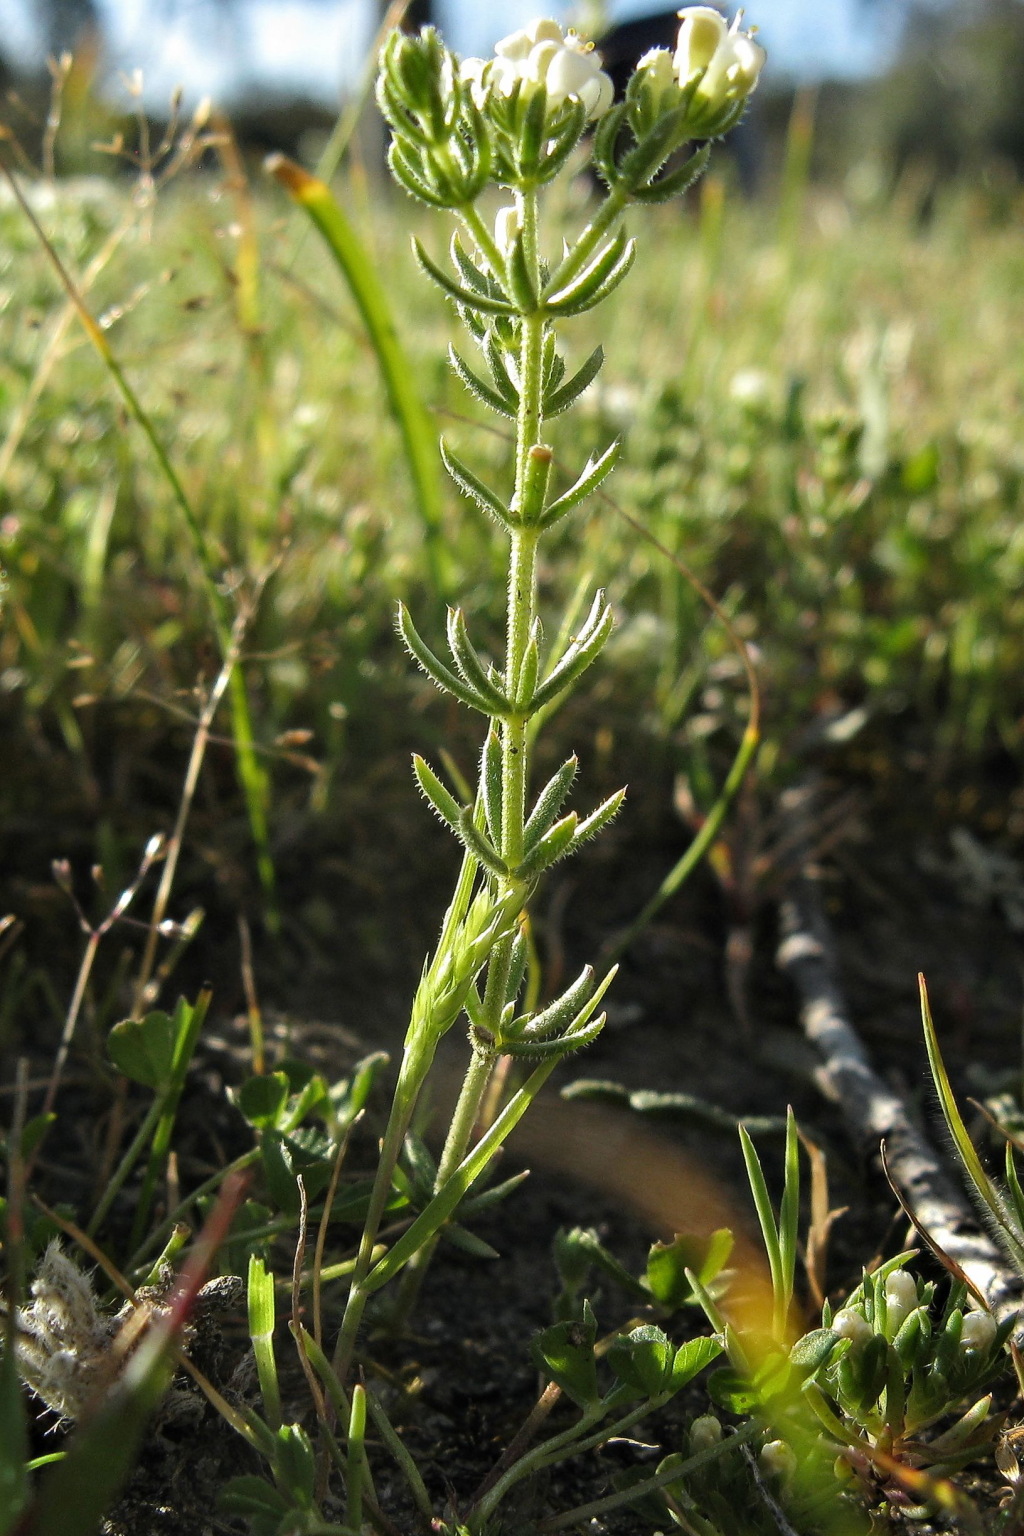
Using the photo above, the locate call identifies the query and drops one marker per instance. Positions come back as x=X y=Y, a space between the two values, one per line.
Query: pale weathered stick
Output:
x=873 y=1111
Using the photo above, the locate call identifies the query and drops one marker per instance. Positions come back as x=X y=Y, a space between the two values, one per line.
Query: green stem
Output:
x=460 y=1131
x=554 y=1446
x=576 y=1517
x=485 y=241
x=467 y=1111
x=589 y=240
x=402 y=1108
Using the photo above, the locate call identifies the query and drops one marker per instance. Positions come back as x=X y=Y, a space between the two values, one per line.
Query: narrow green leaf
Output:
x=470 y=485
x=549 y=849
x=549 y=803
x=985 y=1189
x=483 y=392
x=478 y=845
x=591 y=278
x=596 y=470
x=520 y=278
x=469 y=663
x=533 y=131
x=555 y=1050
x=468 y=1242
x=447 y=807
x=491 y=768
x=558 y=1014
x=608 y=129
x=295 y=1465
x=675 y=183
x=526 y=682
x=497 y=357
x=580 y=655
x=469 y=271
x=464 y=296
x=789 y=1218
x=558 y=400
x=765 y=1214
x=597 y=820
x=560 y=147
x=262 y=1318
x=434 y=668
x=590 y=297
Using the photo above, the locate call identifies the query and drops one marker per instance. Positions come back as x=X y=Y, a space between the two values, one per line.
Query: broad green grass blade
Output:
x=418 y=437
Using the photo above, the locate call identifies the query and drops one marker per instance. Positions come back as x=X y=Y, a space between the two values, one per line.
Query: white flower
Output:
x=704 y=1433
x=849 y=1324
x=979 y=1331
x=727 y=60
x=657 y=65
x=519 y=45
x=474 y=73
x=541 y=54
x=900 y=1297
x=777 y=1459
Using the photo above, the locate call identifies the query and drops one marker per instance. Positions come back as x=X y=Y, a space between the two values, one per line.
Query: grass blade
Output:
x=414 y=424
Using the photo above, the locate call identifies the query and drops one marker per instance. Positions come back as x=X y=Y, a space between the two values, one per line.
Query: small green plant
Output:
x=460 y=128
x=858 y=1401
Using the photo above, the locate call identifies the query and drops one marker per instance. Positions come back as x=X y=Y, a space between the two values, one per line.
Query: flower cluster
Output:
x=515 y=120
x=716 y=65
x=890 y=1332
x=540 y=54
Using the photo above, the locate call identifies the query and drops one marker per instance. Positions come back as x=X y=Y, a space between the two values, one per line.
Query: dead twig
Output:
x=873 y=1111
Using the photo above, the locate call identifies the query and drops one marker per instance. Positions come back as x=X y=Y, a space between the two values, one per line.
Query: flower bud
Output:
x=653 y=90
x=704 y=1433
x=777 y=1459
x=507 y=225
x=900 y=1297
x=978 y=1332
x=724 y=62
x=850 y=1324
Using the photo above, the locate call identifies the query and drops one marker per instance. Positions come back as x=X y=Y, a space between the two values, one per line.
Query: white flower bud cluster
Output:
x=723 y=62
x=542 y=54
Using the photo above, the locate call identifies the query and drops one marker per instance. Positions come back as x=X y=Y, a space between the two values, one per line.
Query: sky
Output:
x=314 y=47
